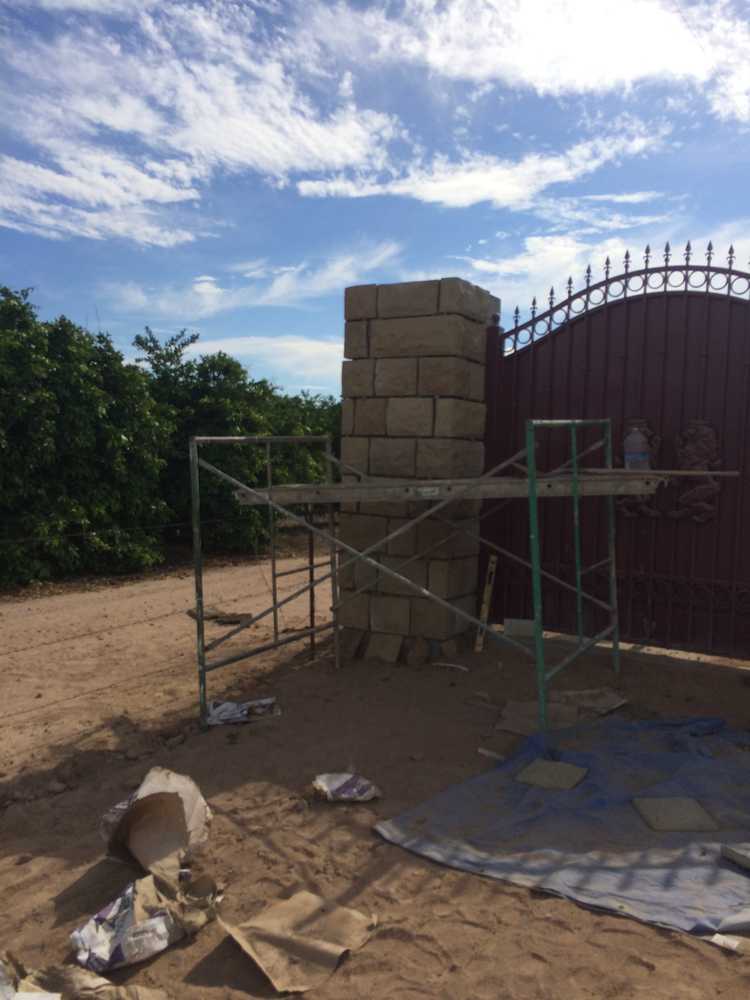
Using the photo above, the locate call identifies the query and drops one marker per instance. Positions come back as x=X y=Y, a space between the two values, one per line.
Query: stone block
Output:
x=360 y=301
x=410 y=416
x=415 y=650
x=347 y=416
x=450 y=377
x=350 y=640
x=448 y=458
x=390 y=614
x=396 y=377
x=355 y=339
x=369 y=416
x=415 y=571
x=459 y=418
x=357 y=378
x=464 y=299
x=384 y=646
x=408 y=298
x=357 y=574
x=435 y=622
x=453 y=577
x=354 y=451
x=436 y=533
x=361 y=530
x=404 y=545
x=428 y=336
x=395 y=457
x=450 y=647
x=355 y=613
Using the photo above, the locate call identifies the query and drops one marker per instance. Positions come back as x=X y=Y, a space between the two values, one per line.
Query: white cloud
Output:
x=504 y=183
x=288 y=359
x=626 y=198
x=553 y=47
x=580 y=216
x=288 y=286
x=193 y=89
x=546 y=261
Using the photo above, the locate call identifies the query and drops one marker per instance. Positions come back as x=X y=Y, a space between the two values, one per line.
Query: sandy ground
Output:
x=98 y=685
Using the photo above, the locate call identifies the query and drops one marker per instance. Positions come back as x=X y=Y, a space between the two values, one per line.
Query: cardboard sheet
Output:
x=298 y=942
x=551 y=774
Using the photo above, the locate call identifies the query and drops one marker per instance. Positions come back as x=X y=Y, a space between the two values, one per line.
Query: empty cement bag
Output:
x=162 y=822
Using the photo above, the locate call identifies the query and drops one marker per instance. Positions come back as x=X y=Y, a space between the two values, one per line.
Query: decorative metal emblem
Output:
x=698 y=449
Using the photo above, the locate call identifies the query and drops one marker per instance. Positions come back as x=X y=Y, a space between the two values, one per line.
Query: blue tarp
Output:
x=590 y=844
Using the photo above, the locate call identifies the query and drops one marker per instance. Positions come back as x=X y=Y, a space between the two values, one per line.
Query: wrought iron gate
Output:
x=667 y=347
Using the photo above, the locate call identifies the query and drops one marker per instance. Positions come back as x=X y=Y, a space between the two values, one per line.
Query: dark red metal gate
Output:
x=667 y=347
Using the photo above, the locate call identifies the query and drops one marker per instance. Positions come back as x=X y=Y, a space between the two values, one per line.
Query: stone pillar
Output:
x=413 y=389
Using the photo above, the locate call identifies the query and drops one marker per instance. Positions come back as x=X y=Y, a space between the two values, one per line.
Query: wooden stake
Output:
x=489 y=583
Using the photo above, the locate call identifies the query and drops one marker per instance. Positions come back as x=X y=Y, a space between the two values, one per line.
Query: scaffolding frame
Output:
x=568 y=480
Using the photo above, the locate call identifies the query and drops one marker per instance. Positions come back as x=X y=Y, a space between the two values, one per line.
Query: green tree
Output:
x=81 y=442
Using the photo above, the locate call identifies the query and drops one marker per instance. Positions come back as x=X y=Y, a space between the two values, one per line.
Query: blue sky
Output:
x=231 y=165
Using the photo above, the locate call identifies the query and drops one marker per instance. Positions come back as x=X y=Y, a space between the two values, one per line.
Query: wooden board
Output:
x=434 y=490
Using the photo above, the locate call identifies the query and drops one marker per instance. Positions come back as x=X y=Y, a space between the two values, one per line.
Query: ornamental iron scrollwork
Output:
x=653 y=277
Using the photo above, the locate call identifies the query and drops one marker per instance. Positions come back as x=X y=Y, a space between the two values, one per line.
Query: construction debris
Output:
x=65 y=983
x=552 y=774
x=144 y=920
x=227 y=713
x=159 y=825
x=298 y=942
x=675 y=814
x=345 y=787
x=134 y=927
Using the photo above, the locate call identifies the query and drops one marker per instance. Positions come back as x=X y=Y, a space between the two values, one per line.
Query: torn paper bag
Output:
x=143 y=921
x=345 y=787
x=227 y=713
x=298 y=942
x=134 y=927
x=80 y=984
x=160 y=824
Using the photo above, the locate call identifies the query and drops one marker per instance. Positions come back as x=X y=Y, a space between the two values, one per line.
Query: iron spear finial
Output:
x=688 y=253
x=667 y=253
x=730 y=256
x=607 y=266
x=627 y=261
x=647 y=256
x=709 y=253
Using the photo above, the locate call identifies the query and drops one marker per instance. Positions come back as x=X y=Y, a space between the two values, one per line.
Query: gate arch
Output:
x=667 y=345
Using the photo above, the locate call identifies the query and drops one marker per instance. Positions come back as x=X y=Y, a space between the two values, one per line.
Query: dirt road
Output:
x=99 y=685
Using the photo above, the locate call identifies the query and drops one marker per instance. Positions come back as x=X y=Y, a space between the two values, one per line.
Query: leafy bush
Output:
x=94 y=473
x=81 y=446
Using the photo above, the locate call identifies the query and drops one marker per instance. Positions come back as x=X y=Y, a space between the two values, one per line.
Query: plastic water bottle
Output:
x=636 y=448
